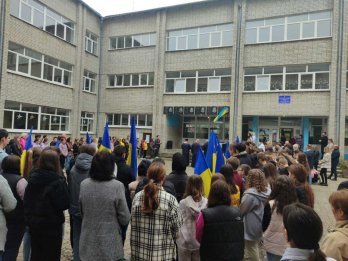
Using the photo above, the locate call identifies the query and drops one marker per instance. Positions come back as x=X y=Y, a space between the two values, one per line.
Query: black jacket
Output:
x=179 y=180
x=223 y=234
x=310 y=158
x=244 y=158
x=45 y=199
x=13 y=149
x=335 y=157
x=167 y=186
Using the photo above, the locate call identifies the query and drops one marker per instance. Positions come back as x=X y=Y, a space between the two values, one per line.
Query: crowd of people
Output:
x=257 y=196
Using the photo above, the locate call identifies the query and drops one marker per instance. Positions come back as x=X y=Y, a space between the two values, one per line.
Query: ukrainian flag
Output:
x=105 y=145
x=214 y=157
x=88 y=138
x=28 y=145
x=132 y=150
x=227 y=151
x=222 y=113
x=202 y=169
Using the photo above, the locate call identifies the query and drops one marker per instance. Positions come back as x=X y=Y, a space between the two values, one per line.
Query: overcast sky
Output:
x=110 y=7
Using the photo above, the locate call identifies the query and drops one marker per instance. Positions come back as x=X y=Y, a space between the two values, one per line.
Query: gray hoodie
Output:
x=251 y=208
x=190 y=211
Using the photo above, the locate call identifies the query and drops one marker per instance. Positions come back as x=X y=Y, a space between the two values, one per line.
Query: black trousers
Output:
x=334 y=170
x=14 y=238
x=46 y=244
x=323 y=175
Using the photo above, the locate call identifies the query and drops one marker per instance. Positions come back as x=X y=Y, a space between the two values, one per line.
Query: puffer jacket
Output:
x=273 y=238
x=190 y=211
x=335 y=244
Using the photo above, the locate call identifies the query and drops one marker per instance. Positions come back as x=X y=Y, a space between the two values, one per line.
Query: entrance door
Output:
x=286 y=134
x=147 y=137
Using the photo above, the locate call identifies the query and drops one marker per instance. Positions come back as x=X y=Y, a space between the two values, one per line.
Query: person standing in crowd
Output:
x=335 y=158
x=157 y=145
x=63 y=151
x=234 y=163
x=45 y=199
x=316 y=156
x=283 y=193
x=205 y=147
x=304 y=229
x=239 y=151
x=252 y=209
x=227 y=171
x=144 y=148
x=78 y=173
x=325 y=165
x=219 y=228
x=7 y=203
x=310 y=156
x=22 y=140
x=4 y=140
x=156 y=220
x=186 y=148
x=104 y=210
x=323 y=143
x=194 y=150
x=330 y=145
x=15 y=219
x=335 y=244
x=178 y=177
x=14 y=147
x=304 y=192
x=192 y=204
x=142 y=170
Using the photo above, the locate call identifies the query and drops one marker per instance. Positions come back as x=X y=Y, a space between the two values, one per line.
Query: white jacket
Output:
x=326 y=161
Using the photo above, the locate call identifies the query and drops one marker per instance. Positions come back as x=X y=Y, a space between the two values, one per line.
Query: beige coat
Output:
x=326 y=161
x=335 y=244
x=273 y=238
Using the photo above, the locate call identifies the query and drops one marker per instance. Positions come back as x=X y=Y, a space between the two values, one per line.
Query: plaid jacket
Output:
x=153 y=235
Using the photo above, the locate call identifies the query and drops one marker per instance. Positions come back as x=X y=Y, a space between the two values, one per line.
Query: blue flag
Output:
x=227 y=151
x=214 y=157
x=88 y=138
x=202 y=169
x=132 y=149
x=237 y=140
x=105 y=145
x=28 y=145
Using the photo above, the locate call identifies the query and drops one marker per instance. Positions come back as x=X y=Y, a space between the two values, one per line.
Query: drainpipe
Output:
x=237 y=64
x=100 y=75
x=2 y=33
x=339 y=69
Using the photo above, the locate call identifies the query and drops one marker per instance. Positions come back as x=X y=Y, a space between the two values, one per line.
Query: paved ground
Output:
x=322 y=206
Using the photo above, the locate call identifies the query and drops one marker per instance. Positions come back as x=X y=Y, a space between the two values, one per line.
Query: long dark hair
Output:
x=156 y=174
x=49 y=160
x=304 y=228
x=102 y=167
x=270 y=173
x=227 y=171
x=219 y=194
x=194 y=188
x=283 y=193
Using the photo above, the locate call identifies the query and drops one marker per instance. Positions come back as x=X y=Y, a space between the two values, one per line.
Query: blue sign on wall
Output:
x=284 y=99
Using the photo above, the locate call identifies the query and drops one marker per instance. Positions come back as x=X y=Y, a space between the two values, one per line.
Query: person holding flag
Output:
x=132 y=149
x=105 y=144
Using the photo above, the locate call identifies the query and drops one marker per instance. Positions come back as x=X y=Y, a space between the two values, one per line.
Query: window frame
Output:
x=151 y=36
x=93 y=43
x=113 y=124
x=139 y=75
x=89 y=118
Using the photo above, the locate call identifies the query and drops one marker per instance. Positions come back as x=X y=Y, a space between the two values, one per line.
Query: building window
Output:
x=218 y=80
x=89 y=81
x=200 y=37
x=22 y=116
x=91 y=43
x=287 y=78
x=131 y=80
x=40 y=16
x=118 y=120
x=28 y=62
x=87 y=119
x=289 y=28
x=132 y=41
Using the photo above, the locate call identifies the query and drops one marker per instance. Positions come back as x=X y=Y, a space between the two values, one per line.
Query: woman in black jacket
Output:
x=178 y=176
x=45 y=199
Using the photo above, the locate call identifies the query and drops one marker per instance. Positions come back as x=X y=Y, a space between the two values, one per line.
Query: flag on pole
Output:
x=227 y=151
x=28 y=145
x=202 y=169
x=214 y=156
x=105 y=145
x=237 y=140
x=88 y=138
x=222 y=113
x=132 y=149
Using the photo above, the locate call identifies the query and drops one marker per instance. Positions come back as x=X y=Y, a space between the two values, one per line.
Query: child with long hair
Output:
x=227 y=171
x=191 y=205
x=252 y=210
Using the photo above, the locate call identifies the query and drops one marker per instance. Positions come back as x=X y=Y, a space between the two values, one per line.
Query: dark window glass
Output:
x=50 y=25
x=23 y=64
x=202 y=84
x=151 y=79
x=128 y=41
x=48 y=72
x=322 y=81
x=225 y=83
x=119 y=81
x=306 y=81
x=249 y=83
x=11 y=61
x=191 y=85
x=55 y=122
x=36 y=68
x=291 y=82
x=33 y=120
x=19 y=120
x=135 y=79
x=126 y=80
x=143 y=79
x=120 y=42
x=170 y=85
x=276 y=82
x=58 y=75
x=45 y=122
x=111 y=80
x=8 y=118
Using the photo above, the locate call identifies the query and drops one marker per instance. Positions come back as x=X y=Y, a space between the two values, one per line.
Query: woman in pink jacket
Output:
x=283 y=193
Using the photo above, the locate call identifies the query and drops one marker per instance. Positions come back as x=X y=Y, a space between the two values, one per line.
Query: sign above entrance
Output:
x=202 y=110
x=284 y=99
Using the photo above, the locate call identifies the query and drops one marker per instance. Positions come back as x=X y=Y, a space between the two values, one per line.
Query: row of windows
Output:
x=132 y=41
x=40 y=16
x=294 y=77
x=141 y=120
x=21 y=116
x=26 y=61
x=289 y=28
x=134 y=80
x=91 y=43
x=200 y=37
x=87 y=119
x=199 y=81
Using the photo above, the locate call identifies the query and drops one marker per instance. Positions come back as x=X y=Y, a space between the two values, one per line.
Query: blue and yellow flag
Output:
x=237 y=140
x=132 y=149
x=105 y=145
x=88 y=138
x=227 y=151
x=222 y=113
x=28 y=145
x=214 y=157
x=202 y=169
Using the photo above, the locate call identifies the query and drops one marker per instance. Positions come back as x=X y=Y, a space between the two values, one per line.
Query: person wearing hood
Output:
x=178 y=175
x=190 y=206
x=252 y=210
x=78 y=173
x=335 y=244
x=15 y=219
x=45 y=199
x=4 y=140
x=142 y=170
